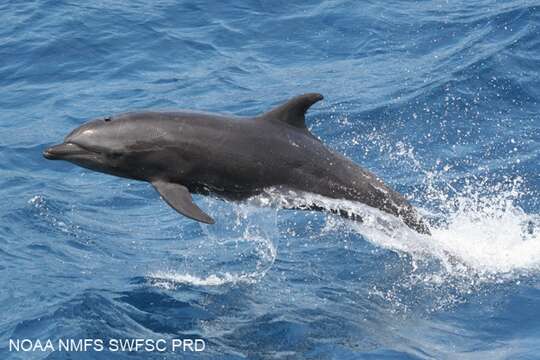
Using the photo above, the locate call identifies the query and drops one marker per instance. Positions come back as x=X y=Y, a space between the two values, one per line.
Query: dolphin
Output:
x=182 y=153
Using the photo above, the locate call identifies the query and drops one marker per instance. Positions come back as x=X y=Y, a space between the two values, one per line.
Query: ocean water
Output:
x=441 y=99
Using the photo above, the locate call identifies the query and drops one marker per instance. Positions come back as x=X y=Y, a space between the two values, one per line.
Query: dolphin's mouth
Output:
x=66 y=151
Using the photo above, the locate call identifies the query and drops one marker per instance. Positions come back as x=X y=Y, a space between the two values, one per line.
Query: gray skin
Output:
x=234 y=158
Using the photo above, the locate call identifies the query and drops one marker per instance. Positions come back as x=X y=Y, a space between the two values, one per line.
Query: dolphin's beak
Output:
x=63 y=151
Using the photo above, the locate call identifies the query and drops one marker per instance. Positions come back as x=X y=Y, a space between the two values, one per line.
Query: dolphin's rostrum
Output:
x=235 y=158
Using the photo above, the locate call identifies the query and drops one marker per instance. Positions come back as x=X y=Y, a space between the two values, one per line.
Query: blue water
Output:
x=440 y=99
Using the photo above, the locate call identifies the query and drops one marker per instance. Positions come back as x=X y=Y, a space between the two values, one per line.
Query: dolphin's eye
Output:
x=107 y=119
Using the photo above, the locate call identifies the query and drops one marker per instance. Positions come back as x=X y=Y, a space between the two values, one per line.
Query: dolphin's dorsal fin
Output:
x=293 y=111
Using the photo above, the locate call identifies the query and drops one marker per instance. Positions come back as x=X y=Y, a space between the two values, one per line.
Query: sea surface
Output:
x=441 y=99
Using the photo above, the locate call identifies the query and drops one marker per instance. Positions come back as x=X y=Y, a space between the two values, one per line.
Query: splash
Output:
x=482 y=240
x=491 y=233
x=484 y=230
x=477 y=223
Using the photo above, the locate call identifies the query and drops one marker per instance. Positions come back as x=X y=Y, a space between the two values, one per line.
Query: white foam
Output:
x=171 y=279
x=491 y=239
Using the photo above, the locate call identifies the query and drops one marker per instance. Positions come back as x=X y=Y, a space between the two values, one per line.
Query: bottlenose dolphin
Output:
x=184 y=152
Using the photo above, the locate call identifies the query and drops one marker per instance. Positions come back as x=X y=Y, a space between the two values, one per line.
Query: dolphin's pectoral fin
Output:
x=293 y=111
x=179 y=198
